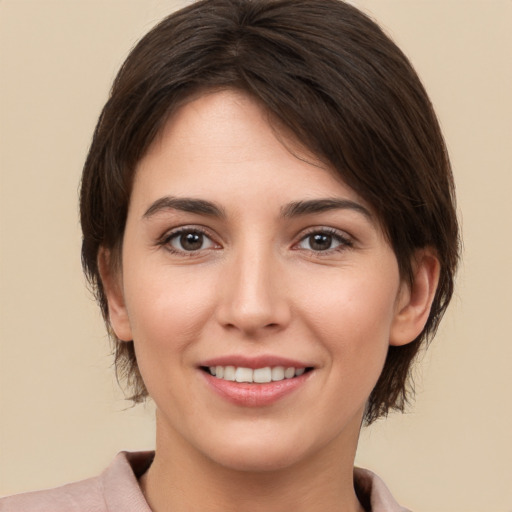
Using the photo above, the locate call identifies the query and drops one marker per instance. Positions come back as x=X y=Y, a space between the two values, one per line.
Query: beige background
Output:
x=62 y=416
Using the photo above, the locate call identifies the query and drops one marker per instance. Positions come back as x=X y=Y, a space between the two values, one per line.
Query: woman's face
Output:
x=241 y=255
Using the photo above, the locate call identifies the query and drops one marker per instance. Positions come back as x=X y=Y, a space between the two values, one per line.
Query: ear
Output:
x=112 y=280
x=415 y=299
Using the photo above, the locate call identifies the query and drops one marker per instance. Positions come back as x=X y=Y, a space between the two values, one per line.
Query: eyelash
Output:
x=344 y=241
x=166 y=240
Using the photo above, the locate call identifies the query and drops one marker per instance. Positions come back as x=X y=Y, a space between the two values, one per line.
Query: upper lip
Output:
x=261 y=361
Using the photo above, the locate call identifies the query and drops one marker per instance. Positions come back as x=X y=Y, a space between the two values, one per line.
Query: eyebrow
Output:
x=294 y=209
x=313 y=206
x=185 y=204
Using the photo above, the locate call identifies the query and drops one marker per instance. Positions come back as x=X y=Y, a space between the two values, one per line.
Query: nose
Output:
x=253 y=297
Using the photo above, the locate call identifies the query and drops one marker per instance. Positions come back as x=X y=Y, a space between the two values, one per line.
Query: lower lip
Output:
x=255 y=395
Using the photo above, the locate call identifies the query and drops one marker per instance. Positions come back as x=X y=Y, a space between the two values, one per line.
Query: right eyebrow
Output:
x=313 y=206
x=184 y=204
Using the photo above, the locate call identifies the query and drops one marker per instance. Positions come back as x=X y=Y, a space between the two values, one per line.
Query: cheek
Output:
x=352 y=314
x=168 y=312
x=167 y=317
x=352 y=301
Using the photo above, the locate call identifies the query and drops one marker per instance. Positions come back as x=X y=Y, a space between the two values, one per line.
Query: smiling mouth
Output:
x=257 y=375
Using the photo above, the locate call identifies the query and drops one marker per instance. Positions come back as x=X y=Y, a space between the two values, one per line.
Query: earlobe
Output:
x=111 y=278
x=415 y=300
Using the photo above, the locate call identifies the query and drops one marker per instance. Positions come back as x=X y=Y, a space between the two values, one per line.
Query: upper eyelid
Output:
x=166 y=238
x=165 y=241
x=187 y=228
x=345 y=239
x=170 y=233
x=326 y=230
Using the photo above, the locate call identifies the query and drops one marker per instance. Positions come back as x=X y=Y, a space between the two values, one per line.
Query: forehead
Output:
x=227 y=123
x=225 y=140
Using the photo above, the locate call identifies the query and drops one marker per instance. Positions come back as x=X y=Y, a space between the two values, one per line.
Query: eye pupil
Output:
x=191 y=241
x=320 y=242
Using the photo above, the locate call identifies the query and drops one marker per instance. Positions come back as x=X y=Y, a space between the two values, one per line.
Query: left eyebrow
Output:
x=185 y=204
x=312 y=206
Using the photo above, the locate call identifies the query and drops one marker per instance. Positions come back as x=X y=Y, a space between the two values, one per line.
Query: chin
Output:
x=258 y=460
x=274 y=451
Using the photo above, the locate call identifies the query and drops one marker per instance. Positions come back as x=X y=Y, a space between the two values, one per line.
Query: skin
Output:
x=257 y=285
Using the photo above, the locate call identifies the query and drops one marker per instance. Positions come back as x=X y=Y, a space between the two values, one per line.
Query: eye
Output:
x=324 y=241
x=189 y=240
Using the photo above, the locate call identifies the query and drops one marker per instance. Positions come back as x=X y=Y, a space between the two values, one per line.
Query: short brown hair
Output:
x=333 y=78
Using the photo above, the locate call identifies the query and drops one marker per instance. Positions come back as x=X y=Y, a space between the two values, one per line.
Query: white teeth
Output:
x=258 y=375
x=278 y=373
x=243 y=375
x=229 y=373
x=262 y=375
x=289 y=373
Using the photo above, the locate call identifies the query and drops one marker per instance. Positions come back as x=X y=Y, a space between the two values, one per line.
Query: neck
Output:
x=182 y=480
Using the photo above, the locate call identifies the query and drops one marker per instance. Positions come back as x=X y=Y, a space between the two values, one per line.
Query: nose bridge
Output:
x=253 y=296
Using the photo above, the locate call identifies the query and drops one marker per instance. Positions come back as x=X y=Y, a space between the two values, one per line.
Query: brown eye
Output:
x=189 y=241
x=324 y=241
x=320 y=242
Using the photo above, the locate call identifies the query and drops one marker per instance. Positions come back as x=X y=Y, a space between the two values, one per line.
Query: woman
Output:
x=268 y=221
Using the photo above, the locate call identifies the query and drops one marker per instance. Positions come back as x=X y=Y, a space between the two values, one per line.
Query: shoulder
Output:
x=72 y=497
x=115 y=489
x=373 y=493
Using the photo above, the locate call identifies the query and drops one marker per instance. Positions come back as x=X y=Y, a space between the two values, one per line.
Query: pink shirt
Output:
x=117 y=490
